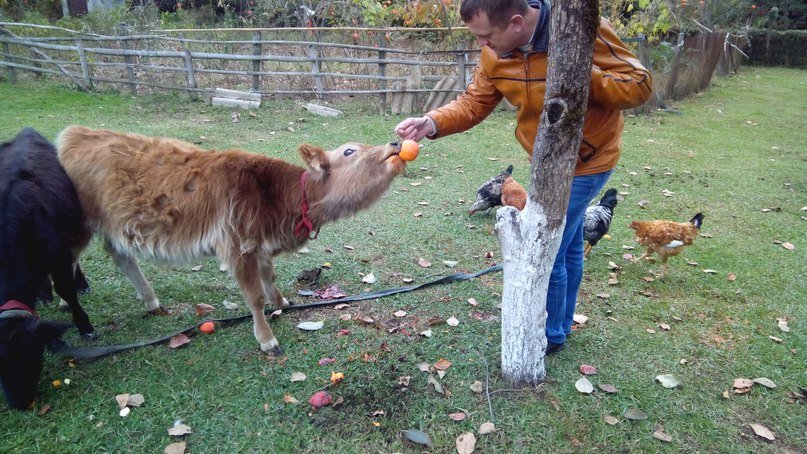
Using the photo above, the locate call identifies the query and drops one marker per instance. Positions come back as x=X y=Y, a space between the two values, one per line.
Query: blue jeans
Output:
x=567 y=272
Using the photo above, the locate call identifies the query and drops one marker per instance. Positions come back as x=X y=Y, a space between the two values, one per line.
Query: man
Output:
x=514 y=36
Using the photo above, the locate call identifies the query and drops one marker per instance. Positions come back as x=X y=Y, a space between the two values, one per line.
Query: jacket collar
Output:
x=540 y=38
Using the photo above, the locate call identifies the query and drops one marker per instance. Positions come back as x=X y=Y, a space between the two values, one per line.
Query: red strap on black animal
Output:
x=305 y=225
x=17 y=305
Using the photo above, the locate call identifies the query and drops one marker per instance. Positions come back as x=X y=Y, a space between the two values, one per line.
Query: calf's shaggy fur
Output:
x=170 y=200
x=41 y=234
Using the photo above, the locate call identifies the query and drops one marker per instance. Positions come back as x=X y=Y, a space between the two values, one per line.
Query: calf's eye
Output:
x=349 y=151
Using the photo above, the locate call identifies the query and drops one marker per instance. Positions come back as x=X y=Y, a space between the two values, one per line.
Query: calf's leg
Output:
x=128 y=265
x=65 y=284
x=267 y=271
x=246 y=271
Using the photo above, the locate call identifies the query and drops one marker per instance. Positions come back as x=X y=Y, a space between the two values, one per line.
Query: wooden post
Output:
x=644 y=55
x=124 y=44
x=85 y=67
x=462 y=59
x=12 y=72
x=257 y=50
x=313 y=54
x=382 y=74
x=191 y=77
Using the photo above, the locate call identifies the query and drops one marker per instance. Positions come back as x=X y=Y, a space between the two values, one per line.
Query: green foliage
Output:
x=729 y=155
x=419 y=13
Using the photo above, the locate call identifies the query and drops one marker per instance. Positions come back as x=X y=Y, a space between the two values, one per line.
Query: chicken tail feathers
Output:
x=609 y=199
x=509 y=170
x=697 y=221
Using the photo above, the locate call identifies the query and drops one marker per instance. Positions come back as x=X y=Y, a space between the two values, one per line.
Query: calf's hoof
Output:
x=272 y=347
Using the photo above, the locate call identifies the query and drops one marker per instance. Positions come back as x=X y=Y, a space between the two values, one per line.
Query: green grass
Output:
x=738 y=148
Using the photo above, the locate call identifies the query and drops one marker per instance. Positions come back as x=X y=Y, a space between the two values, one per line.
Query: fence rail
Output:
x=307 y=62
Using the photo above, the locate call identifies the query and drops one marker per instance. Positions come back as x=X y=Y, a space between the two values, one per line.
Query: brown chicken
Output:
x=513 y=194
x=666 y=238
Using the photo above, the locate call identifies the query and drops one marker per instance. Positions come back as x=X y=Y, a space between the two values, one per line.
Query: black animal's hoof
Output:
x=277 y=351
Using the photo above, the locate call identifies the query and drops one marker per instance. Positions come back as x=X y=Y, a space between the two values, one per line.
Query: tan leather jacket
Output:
x=618 y=81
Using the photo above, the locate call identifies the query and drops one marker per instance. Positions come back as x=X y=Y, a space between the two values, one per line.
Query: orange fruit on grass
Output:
x=207 y=327
x=409 y=150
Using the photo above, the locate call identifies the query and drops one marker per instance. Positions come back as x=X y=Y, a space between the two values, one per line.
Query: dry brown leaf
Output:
x=122 y=399
x=788 y=246
x=762 y=431
x=603 y=296
x=766 y=382
x=607 y=387
x=731 y=277
x=776 y=339
x=740 y=383
x=424 y=367
x=459 y=416
x=437 y=386
x=452 y=321
x=443 y=364
x=289 y=399
x=664 y=326
x=320 y=399
x=466 y=443
x=400 y=313
x=477 y=387
x=580 y=319
x=43 y=409
x=202 y=309
x=424 y=263
x=472 y=301
x=135 y=400
x=586 y=369
x=611 y=420
x=297 y=376
x=178 y=341
x=486 y=428
x=175 y=448
x=179 y=429
x=659 y=434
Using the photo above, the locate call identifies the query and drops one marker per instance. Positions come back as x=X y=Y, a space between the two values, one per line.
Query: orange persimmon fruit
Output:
x=207 y=327
x=409 y=150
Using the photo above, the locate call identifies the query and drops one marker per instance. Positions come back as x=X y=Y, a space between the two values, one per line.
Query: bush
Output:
x=780 y=48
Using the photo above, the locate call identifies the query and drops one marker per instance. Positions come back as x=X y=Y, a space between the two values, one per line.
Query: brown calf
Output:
x=170 y=200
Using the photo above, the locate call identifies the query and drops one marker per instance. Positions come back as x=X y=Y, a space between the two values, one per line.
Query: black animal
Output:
x=42 y=231
x=489 y=195
x=598 y=219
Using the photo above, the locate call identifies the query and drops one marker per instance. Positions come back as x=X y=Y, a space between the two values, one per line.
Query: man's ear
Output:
x=316 y=160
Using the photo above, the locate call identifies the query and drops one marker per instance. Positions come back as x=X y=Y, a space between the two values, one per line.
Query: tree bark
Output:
x=530 y=239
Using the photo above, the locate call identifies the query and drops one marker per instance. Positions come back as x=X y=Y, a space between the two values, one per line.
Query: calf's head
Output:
x=349 y=178
x=22 y=343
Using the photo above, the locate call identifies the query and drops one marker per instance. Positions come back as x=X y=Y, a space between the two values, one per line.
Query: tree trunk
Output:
x=530 y=239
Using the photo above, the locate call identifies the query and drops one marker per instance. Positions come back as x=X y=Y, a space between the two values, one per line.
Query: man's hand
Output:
x=416 y=128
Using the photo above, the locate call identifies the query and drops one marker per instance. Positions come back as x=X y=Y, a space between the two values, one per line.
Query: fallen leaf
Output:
x=345 y=317
x=668 y=381
x=336 y=377
x=627 y=256
x=708 y=271
x=762 y=431
x=326 y=361
x=320 y=399
x=783 y=325
x=486 y=428
x=651 y=331
x=369 y=278
x=472 y=301
x=404 y=380
x=433 y=381
x=175 y=448
x=178 y=341
x=289 y=399
x=400 y=313
x=788 y=246
x=613 y=281
x=202 y=309
x=766 y=382
x=135 y=400
x=298 y=376
x=452 y=321
x=603 y=296
x=418 y=437
x=466 y=443
x=586 y=369
x=740 y=383
x=427 y=333
x=179 y=429
x=424 y=263
x=664 y=326
x=477 y=387
x=776 y=339
x=450 y=263
x=607 y=387
x=731 y=277
x=635 y=414
x=341 y=306
x=584 y=386
x=661 y=435
x=580 y=319
x=122 y=399
x=459 y=416
x=424 y=367
x=310 y=326
x=613 y=266
x=443 y=364
x=43 y=409
x=229 y=306
x=611 y=420
x=648 y=279
x=331 y=292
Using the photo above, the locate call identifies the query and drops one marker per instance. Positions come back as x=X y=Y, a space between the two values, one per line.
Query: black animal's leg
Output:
x=82 y=286
x=65 y=283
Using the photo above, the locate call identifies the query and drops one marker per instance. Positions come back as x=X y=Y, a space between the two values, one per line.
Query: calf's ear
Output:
x=47 y=330
x=316 y=159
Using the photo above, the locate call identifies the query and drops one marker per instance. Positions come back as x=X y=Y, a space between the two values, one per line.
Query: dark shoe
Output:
x=552 y=347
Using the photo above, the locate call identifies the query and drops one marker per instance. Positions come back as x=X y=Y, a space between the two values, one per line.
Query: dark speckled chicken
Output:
x=598 y=219
x=489 y=195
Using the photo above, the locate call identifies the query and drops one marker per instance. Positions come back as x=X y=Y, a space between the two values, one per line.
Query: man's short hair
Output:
x=499 y=12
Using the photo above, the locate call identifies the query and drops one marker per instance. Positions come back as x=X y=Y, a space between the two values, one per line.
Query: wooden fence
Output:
x=256 y=60
x=406 y=72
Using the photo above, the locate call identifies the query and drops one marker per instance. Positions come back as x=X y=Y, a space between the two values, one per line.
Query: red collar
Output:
x=16 y=305
x=305 y=226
